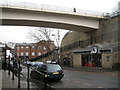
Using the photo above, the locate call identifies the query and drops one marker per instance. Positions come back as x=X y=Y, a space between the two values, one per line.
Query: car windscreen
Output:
x=52 y=68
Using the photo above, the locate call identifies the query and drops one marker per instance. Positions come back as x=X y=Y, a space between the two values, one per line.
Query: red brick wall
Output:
x=35 y=50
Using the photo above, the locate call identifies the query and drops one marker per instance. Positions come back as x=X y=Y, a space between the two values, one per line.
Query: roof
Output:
x=101 y=48
x=0 y=43
x=10 y=45
x=82 y=50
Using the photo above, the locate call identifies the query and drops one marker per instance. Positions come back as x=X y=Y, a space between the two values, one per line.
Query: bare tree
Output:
x=57 y=37
x=116 y=10
x=42 y=35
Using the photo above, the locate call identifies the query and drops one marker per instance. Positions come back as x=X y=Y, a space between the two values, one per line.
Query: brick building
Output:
x=32 y=50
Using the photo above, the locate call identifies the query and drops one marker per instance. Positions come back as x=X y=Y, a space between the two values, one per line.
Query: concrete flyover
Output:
x=25 y=15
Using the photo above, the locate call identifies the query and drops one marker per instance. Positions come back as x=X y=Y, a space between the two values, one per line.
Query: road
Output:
x=81 y=79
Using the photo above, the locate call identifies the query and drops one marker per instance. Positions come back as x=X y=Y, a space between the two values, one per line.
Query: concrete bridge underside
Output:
x=26 y=17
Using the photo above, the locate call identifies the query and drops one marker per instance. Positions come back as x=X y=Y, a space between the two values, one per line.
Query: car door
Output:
x=38 y=73
x=43 y=72
x=34 y=73
x=43 y=69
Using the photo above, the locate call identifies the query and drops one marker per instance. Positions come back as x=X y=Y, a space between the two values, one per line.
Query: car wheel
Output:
x=59 y=79
x=42 y=79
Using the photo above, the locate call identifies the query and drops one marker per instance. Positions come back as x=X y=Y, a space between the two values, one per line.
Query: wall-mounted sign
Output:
x=94 y=49
x=108 y=57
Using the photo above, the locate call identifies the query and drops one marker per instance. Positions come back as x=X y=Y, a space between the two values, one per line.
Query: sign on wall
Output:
x=108 y=58
x=94 y=49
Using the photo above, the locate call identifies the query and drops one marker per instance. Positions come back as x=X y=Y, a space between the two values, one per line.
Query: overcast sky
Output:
x=19 y=34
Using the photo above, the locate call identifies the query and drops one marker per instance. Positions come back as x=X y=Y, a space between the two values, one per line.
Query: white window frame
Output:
x=45 y=52
x=27 y=53
x=45 y=48
x=39 y=47
x=17 y=48
x=33 y=53
x=22 y=54
x=33 y=47
x=22 y=47
x=27 y=47
x=17 y=53
x=39 y=54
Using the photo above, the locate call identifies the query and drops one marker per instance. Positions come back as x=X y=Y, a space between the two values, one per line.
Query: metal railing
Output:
x=44 y=55
x=96 y=39
x=83 y=43
x=43 y=7
x=43 y=83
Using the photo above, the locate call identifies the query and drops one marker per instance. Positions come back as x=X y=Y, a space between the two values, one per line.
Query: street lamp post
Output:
x=58 y=44
x=5 y=63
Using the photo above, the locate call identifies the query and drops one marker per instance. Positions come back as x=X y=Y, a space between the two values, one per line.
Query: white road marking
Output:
x=87 y=84
x=100 y=87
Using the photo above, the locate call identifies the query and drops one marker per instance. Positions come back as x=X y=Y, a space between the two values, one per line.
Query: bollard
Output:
x=28 y=86
x=5 y=63
x=9 y=65
x=18 y=74
x=45 y=81
x=13 y=70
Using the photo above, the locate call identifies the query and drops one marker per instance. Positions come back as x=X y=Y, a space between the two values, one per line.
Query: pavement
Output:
x=89 y=69
x=6 y=81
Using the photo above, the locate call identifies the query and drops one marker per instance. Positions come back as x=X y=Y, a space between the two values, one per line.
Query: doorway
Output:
x=66 y=62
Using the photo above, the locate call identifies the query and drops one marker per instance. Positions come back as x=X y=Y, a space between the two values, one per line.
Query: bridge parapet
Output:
x=50 y=8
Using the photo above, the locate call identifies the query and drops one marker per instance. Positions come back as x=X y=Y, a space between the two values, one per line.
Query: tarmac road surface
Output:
x=81 y=79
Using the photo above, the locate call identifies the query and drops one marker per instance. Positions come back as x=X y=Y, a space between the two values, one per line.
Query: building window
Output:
x=39 y=47
x=26 y=53
x=21 y=47
x=44 y=48
x=21 y=53
x=17 y=48
x=33 y=47
x=18 y=54
x=27 y=47
x=33 y=53
x=45 y=52
x=39 y=53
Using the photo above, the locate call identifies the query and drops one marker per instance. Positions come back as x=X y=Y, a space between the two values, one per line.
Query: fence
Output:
x=81 y=44
x=12 y=68
x=108 y=37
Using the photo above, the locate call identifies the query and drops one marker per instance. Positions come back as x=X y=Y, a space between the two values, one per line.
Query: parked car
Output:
x=53 y=72
x=48 y=62
x=24 y=62
x=52 y=62
x=38 y=63
x=29 y=63
x=33 y=64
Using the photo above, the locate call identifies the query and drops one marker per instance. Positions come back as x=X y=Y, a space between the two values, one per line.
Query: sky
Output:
x=19 y=33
